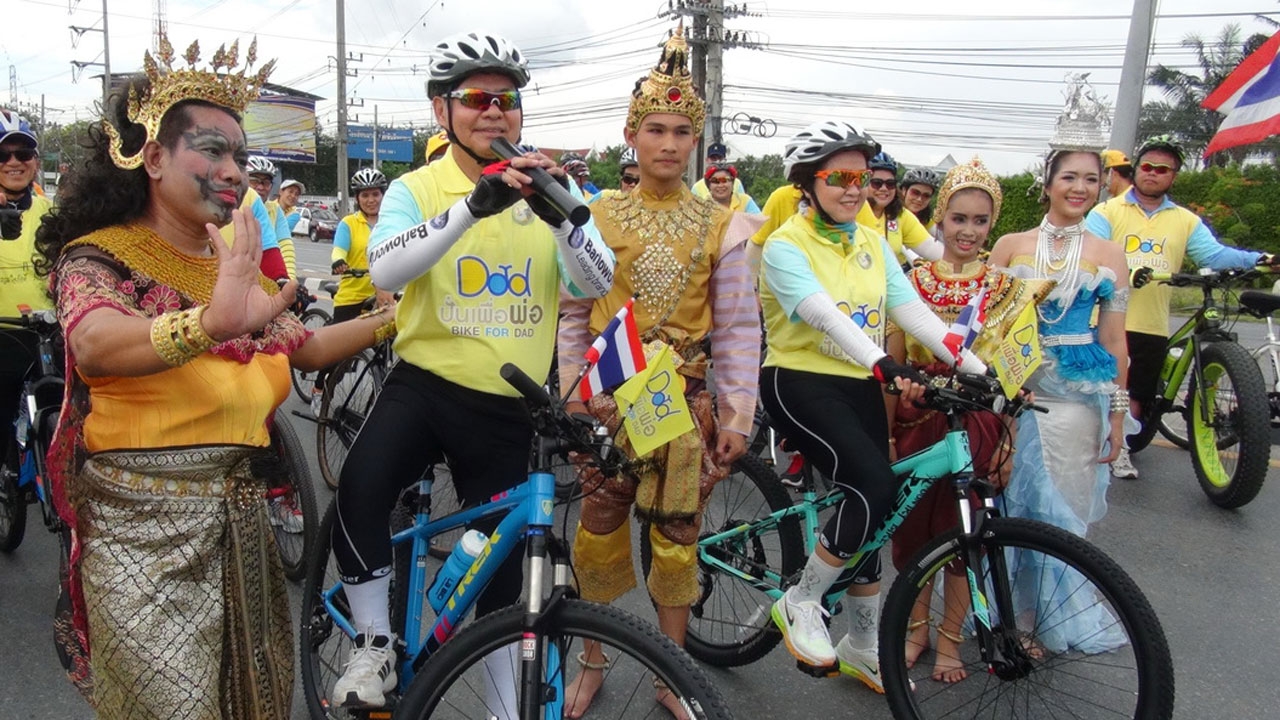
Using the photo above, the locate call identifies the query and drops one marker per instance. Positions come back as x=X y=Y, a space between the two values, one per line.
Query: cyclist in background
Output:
x=1119 y=172
x=828 y=286
x=717 y=154
x=916 y=193
x=1157 y=233
x=20 y=212
x=290 y=191
x=262 y=174
x=720 y=179
x=482 y=272
x=885 y=214
x=628 y=176
x=576 y=167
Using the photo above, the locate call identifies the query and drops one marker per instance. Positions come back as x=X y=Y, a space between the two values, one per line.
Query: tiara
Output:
x=970 y=175
x=1085 y=120
x=219 y=85
x=669 y=87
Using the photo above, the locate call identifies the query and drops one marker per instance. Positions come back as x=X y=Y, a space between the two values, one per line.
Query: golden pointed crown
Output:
x=221 y=85
x=970 y=175
x=669 y=87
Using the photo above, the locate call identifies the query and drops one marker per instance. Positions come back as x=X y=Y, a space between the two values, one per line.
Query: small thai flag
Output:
x=964 y=331
x=1250 y=99
x=614 y=356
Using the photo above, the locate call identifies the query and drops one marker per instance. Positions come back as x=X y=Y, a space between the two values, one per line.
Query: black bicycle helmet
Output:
x=368 y=178
x=821 y=140
x=1164 y=142
x=456 y=57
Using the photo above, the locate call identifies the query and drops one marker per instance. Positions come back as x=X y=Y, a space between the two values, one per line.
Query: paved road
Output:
x=1212 y=576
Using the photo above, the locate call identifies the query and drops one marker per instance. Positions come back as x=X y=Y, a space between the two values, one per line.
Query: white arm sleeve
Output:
x=920 y=323
x=820 y=311
x=588 y=264
x=930 y=249
x=409 y=254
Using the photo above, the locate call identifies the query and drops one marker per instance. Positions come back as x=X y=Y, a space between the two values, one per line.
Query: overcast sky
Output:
x=926 y=81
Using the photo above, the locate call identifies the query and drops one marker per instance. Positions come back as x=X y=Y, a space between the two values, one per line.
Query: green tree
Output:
x=1180 y=113
x=760 y=176
x=604 y=167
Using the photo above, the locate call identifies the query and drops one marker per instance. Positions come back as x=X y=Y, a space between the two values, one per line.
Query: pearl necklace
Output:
x=1060 y=265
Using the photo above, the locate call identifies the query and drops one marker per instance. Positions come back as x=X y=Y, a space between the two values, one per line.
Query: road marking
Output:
x=1161 y=442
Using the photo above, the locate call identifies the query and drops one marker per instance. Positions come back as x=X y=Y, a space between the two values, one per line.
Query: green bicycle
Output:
x=1024 y=581
x=1211 y=397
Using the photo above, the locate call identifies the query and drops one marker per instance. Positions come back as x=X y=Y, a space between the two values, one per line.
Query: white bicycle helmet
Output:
x=921 y=176
x=822 y=140
x=368 y=178
x=259 y=165
x=456 y=57
x=628 y=159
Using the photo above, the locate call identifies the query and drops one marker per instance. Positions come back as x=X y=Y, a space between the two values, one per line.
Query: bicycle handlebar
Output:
x=974 y=391
x=1207 y=278
x=35 y=319
x=531 y=390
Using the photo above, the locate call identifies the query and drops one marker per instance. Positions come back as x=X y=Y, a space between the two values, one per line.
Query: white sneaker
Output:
x=316 y=398
x=370 y=673
x=804 y=631
x=861 y=664
x=284 y=513
x=1122 y=467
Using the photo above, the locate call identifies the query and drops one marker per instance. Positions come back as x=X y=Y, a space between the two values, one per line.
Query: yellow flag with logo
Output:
x=652 y=405
x=1019 y=353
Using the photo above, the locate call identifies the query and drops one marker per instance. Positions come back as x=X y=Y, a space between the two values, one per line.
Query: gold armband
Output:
x=178 y=337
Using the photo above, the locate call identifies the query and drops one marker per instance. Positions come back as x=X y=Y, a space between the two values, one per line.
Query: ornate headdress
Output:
x=168 y=87
x=972 y=174
x=1085 y=120
x=669 y=87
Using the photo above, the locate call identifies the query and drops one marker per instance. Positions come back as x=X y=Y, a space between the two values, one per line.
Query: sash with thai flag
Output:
x=614 y=356
x=967 y=326
x=1250 y=98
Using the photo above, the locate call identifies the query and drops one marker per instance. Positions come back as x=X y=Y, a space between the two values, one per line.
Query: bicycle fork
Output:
x=1000 y=648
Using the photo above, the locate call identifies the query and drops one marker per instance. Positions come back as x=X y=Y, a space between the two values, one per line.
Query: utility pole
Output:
x=342 y=108
x=375 y=137
x=1133 y=76
x=709 y=39
x=106 y=59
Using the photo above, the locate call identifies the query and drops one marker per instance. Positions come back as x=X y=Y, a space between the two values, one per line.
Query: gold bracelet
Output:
x=384 y=332
x=163 y=343
x=193 y=330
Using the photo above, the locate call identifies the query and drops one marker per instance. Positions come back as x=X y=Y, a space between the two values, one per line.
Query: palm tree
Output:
x=1180 y=113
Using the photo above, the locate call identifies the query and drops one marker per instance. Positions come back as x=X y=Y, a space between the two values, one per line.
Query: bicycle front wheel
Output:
x=13 y=503
x=1076 y=636
x=349 y=393
x=1229 y=425
x=729 y=623
x=313 y=318
x=474 y=674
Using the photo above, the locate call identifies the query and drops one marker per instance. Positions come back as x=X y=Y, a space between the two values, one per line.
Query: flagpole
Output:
x=576 y=381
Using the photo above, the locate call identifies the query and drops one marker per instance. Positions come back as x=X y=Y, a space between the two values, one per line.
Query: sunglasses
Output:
x=918 y=193
x=878 y=183
x=719 y=180
x=1157 y=168
x=630 y=179
x=843 y=178
x=507 y=100
x=23 y=155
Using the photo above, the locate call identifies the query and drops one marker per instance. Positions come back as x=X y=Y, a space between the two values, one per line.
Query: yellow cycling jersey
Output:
x=354 y=290
x=1158 y=242
x=779 y=208
x=19 y=284
x=853 y=274
x=904 y=230
x=493 y=298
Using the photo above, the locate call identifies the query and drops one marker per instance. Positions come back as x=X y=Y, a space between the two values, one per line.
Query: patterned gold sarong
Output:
x=185 y=596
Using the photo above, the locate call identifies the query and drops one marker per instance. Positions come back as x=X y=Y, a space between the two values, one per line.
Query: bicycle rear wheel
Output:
x=13 y=502
x=1173 y=424
x=1229 y=425
x=291 y=499
x=313 y=318
x=1078 y=637
x=459 y=680
x=729 y=623
x=349 y=393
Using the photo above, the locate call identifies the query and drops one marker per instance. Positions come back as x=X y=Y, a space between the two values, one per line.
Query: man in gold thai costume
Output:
x=178 y=353
x=691 y=283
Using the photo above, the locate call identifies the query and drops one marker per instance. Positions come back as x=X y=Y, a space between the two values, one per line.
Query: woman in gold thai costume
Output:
x=178 y=353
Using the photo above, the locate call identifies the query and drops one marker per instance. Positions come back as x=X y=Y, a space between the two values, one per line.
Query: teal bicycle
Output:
x=517 y=662
x=1023 y=579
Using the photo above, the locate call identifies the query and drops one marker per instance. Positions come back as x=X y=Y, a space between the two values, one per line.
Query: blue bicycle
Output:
x=514 y=663
x=23 y=479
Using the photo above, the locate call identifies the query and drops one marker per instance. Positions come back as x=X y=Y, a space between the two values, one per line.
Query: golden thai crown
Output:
x=220 y=85
x=970 y=175
x=669 y=87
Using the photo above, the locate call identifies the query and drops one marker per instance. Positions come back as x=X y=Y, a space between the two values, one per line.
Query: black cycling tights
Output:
x=838 y=424
x=418 y=419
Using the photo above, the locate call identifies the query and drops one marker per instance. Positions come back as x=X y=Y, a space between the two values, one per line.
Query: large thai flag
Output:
x=614 y=356
x=1250 y=98
x=964 y=331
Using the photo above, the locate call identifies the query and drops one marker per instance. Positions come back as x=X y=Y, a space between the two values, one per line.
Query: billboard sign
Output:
x=395 y=144
x=282 y=127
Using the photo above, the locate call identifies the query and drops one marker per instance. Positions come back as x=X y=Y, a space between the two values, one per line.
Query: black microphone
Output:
x=553 y=192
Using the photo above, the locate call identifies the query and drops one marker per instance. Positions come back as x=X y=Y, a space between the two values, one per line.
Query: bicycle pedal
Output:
x=817 y=671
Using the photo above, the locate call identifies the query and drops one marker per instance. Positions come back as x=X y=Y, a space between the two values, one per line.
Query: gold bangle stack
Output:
x=385 y=331
x=178 y=337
